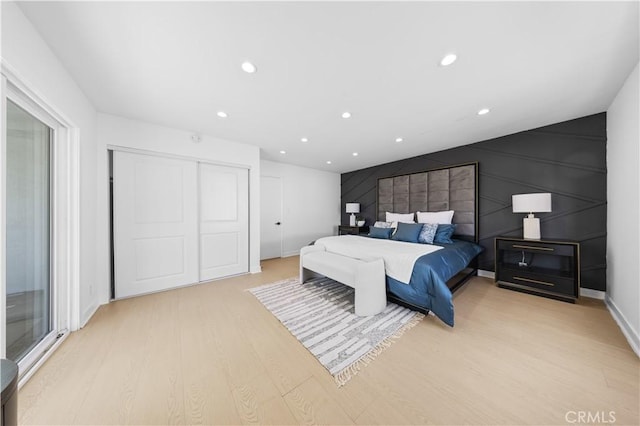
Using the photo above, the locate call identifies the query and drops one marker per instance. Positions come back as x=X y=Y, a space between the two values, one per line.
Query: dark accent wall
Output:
x=567 y=159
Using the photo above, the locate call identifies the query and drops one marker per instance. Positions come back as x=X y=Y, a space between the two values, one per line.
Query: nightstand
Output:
x=352 y=230
x=548 y=268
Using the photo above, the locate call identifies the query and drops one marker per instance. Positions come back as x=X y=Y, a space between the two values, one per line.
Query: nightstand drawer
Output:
x=555 y=284
x=537 y=247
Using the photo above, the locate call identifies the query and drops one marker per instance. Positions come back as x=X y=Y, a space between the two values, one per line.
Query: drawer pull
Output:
x=533 y=281
x=533 y=247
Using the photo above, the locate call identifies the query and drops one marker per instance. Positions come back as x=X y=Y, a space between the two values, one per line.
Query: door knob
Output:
x=278 y=223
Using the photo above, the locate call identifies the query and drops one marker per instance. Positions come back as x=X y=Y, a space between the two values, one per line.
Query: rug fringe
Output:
x=342 y=377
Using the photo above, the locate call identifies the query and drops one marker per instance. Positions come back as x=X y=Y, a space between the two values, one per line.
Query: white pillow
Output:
x=382 y=225
x=442 y=218
x=400 y=217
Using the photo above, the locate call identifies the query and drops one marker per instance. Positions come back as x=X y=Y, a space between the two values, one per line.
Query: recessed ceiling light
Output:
x=448 y=59
x=248 y=67
x=355 y=154
x=398 y=140
x=304 y=140
x=346 y=114
x=484 y=111
x=328 y=161
x=283 y=152
x=222 y=114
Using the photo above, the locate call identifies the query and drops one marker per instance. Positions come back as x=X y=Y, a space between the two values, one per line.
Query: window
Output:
x=28 y=217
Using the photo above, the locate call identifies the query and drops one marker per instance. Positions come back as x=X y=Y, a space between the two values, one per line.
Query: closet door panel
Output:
x=155 y=223
x=224 y=221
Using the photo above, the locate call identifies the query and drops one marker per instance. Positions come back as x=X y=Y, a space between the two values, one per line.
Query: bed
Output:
x=433 y=277
x=446 y=188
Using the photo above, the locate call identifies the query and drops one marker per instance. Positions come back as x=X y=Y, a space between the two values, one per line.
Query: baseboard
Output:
x=627 y=329
x=291 y=253
x=486 y=274
x=594 y=294
x=87 y=314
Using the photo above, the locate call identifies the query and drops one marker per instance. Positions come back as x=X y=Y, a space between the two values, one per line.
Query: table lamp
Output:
x=353 y=208
x=531 y=203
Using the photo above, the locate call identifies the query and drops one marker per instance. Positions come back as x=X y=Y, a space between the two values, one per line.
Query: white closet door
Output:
x=155 y=223
x=224 y=221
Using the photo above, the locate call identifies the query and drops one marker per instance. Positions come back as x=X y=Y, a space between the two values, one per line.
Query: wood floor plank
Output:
x=310 y=404
x=159 y=396
x=207 y=392
x=239 y=356
x=110 y=398
x=260 y=402
x=275 y=411
x=382 y=412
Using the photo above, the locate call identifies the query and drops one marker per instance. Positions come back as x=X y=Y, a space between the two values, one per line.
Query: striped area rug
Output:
x=320 y=314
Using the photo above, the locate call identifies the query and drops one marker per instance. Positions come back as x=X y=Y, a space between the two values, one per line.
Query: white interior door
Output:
x=270 y=217
x=224 y=221
x=155 y=223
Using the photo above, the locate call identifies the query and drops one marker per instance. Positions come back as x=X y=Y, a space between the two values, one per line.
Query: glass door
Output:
x=29 y=316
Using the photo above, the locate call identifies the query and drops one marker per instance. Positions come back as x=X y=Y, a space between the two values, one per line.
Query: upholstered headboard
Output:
x=448 y=188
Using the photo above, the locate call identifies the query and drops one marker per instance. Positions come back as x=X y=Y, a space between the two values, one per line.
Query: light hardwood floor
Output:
x=212 y=354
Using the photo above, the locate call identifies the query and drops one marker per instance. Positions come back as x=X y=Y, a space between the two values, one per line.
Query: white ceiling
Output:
x=177 y=64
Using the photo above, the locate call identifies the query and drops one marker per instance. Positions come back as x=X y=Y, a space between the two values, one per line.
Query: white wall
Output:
x=311 y=204
x=117 y=131
x=26 y=53
x=623 y=209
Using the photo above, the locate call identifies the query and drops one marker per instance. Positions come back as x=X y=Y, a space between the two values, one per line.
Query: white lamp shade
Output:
x=353 y=207
x=531 y=203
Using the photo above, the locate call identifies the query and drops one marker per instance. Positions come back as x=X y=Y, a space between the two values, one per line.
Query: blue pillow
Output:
x=427 y=233
x=408 y=232
x=444 y=233
x=384 y=233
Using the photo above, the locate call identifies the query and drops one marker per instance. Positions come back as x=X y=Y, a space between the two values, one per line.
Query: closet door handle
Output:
x=278 y=223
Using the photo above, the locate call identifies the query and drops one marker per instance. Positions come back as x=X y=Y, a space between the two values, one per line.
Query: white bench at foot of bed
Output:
x=367 y=278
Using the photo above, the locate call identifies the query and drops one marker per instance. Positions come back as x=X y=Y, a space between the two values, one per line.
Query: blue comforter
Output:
x=428 y=286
